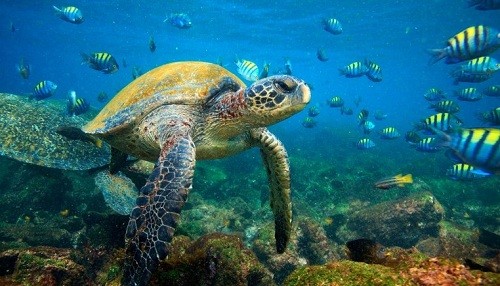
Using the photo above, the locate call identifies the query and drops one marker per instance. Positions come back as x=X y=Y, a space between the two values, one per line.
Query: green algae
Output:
x=346 y=273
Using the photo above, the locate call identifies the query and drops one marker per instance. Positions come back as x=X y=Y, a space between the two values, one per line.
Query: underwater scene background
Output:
x=56 y=228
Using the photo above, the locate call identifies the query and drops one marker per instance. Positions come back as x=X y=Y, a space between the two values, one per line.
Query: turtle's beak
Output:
x=306 y=93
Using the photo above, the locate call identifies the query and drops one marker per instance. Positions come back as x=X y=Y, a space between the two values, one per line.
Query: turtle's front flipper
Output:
x=153 y=221
x=278 y=173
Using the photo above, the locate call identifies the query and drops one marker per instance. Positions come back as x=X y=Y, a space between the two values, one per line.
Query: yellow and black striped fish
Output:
x=463 y=171
x=104 y=62
x=492 y=116
x=44 y=89
x=69 y=14
x=355 y=69
x=476 y=70
x=389 y=133
x=493 y=90
x=335 y=101
x=479 y=147
x=469 y=94
x=365 y=143
x=362 y=116
x=442 y=121
x=434 y=94
x=374 y=72
x=470 y=43
x=448 y=106
x=429 y=144
x=248 y=70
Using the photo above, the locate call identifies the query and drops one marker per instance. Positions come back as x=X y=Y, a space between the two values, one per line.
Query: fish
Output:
x=313 y=111
x=13 y=28
x=395 y=181
x=389 y=133
x=355 y=69
x=469 y=94
x=412 y=137
x=69 y=14
x=248 y=70
x=332 y=26
x=136 y=72
x=492 y=116
x=476 y=70
x=484 y=4
x=442 y=121
x=335 y=101
x=288 y=66
x=179 y=20
x=23 y=69
x=462 y=171
x=152 y=44
x=479 y=147
x=434 y=94
x=374 y=71
x=428 y=144
x=265 y=70
x=365 y=250
x=448 y=106
x=102 y=96
x=368 y=126
x=309 y=122
x=493 y=90
x=101 y=61
x=322 y=55
x=76 y=105
x=473 y=42
x=346 y=110
x=362 y=116
x=44 y=89
x=379 y=115
x=365 y=143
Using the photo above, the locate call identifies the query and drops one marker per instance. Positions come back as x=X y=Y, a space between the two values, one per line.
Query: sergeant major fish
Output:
x=248 y=70
x=355 y=69
x=101 y=61
x=492 y=117
x=476 y=70
x=76 y=105
x=470 y=43
x=69 y=14
x=152 y=44
x=389 y=133
x=179 y=20
x=469 y=94
x=434 y=94
x=374 y=71
x=365 y=143
x=462 y=171
x=44 y=89
x=332 y=26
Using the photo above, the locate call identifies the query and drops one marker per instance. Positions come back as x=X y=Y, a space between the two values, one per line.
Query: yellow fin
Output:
x=98 y=143
x=407 y=179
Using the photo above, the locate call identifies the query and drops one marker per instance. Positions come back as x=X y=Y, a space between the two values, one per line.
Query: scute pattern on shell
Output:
x=185 y=83
x=27 y=134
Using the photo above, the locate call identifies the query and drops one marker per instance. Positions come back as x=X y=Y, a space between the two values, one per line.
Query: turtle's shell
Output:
x=28 y=134
x=184 y=83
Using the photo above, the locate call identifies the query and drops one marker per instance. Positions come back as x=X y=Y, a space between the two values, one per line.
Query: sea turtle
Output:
x=186 y=111
x=28 y=133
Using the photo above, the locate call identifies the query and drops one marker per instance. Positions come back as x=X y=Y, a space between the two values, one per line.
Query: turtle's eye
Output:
x=286 y=85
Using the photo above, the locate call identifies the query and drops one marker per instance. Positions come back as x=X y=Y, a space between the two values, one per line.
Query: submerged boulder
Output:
x=399 y=223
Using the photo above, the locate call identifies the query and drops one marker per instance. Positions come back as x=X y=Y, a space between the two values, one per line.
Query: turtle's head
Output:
x=275 y=98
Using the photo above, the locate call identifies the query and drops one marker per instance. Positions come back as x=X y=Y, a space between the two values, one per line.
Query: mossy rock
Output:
x=345 y=273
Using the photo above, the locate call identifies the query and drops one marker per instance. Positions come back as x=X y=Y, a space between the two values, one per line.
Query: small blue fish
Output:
x=248 y=70
x=469 y=94
x=492 y=117
x=179 y=20
x=313 y=111
x=429 y=144
x=335 y=101
x=309 y=122
x=493 y=90
x=322 y=55
x=368 y=126
x=389 y=133
x=69 y=14
x=355 y=69
x=365 y=143
x=104 y=62
x=332 y=26
x=44 y=89
x=75 y=105
x=434 y=94
x=374 y=72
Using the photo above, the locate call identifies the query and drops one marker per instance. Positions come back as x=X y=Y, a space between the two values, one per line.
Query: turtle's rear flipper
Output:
x=75 y=133
x=278 y=173
x=153 y=221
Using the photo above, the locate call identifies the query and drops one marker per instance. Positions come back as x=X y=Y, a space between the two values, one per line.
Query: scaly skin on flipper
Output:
x=153 y=221
x=277 y=166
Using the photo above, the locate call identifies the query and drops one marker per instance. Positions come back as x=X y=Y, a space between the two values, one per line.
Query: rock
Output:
x=41 y=266
x=313 y=243
x=399 y=223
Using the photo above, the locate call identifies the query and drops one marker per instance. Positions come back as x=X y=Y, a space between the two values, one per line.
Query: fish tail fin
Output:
x=58 y=11
x=407 y=179
x=85 y=58
x=436 y=55
x=98 y=143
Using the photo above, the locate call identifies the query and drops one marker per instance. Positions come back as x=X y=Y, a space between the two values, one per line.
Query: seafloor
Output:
x=56 y=228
